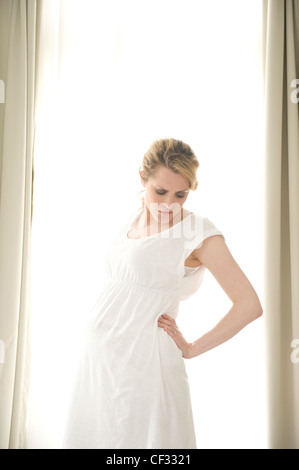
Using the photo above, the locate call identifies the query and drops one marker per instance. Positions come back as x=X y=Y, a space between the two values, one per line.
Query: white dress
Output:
x=131 y=389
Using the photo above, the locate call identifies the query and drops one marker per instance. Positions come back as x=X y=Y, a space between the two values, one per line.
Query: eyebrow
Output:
x=166 y=190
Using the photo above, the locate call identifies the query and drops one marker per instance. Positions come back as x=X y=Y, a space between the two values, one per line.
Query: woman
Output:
x=132 y=389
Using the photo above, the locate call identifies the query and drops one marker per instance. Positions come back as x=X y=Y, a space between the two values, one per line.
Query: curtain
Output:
x=281 y=252
x=17 y=57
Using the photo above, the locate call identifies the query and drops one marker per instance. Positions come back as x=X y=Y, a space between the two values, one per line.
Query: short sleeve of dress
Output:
x=198 y=229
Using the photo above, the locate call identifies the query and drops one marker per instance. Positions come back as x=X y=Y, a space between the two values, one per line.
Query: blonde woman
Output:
x=132 y=389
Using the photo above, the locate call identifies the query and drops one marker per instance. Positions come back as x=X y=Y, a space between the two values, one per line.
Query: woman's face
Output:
x=165 y=194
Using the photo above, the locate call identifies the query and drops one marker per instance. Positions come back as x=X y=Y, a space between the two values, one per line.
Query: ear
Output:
x=141 y=173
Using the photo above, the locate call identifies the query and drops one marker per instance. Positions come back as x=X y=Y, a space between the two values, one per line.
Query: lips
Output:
x=165 y=212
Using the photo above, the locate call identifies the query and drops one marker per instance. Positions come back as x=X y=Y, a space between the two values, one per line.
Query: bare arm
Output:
x=215 y=255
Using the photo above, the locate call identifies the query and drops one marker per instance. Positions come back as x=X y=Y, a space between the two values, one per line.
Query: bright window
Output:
x=115 y=76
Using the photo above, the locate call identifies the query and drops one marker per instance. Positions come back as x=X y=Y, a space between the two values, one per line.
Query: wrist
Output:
x=188 y=352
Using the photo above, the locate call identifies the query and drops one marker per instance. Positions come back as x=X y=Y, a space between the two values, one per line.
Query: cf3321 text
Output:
x=155 y=459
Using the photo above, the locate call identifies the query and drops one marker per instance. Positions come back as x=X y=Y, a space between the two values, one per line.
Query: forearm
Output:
x=235 y=320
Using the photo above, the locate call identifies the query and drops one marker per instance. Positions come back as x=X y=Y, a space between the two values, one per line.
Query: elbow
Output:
x=251 y=309
x=256 y=310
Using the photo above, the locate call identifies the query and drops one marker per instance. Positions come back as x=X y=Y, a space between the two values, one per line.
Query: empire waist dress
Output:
x=131 y=389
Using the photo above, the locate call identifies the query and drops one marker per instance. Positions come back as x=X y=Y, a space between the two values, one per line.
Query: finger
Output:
x=169 y=326
x=168 y=320
x=167 y=317
x=165 y=322
x=172 y=331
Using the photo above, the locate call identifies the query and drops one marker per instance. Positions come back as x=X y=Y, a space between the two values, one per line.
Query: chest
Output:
x=155 y=262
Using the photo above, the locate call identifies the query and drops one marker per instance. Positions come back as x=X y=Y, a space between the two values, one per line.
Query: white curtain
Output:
x=115 y=76
x=17 y=62
x=281 y=73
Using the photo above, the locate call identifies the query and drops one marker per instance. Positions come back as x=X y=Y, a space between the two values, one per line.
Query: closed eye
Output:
x=161 y=193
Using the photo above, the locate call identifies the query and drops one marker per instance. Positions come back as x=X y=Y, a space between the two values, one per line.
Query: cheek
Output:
x=151 y=202
x=179 y=202
x=176 y=207
x=152 y=197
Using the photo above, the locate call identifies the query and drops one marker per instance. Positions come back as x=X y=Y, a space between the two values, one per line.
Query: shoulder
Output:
x=212 y=252
x=202 y=227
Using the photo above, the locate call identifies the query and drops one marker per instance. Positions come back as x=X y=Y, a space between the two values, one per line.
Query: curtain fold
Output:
x=18 y=66
x=281 y=243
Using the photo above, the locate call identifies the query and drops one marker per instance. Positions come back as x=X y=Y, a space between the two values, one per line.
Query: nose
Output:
x=167 y=206
x=171 y=206
x=168 y=200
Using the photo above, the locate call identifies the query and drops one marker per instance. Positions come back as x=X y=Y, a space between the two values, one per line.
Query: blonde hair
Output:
x=173 y=154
